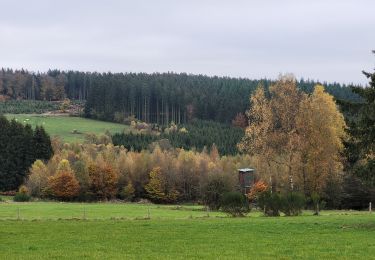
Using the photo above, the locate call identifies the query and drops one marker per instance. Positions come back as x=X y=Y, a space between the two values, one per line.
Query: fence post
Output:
x=370 y=207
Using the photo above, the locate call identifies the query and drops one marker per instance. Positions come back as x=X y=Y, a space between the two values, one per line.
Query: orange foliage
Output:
x=258 y=188
x=63 y=185
x=103 y=180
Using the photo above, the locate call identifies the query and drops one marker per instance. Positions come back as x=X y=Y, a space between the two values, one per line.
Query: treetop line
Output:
x=157 y=98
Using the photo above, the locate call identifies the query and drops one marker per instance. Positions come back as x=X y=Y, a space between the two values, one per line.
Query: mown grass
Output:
x=123 y=231
x=64 y=126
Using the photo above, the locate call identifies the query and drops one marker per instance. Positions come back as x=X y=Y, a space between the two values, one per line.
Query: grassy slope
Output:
x=64 y=125
x=178 y=234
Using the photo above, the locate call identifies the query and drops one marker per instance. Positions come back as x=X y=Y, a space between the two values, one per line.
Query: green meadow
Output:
x=53 y=230
x=70 y=129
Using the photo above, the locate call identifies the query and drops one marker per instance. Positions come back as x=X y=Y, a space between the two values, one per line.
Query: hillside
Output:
x=157 y=98
x=70 y=129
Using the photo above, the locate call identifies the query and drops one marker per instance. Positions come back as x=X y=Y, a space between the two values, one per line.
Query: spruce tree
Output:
x=19 y=148
x=364 y=131
x=42 y=144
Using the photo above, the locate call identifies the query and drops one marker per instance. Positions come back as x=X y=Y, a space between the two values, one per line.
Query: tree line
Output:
x=90 y=172
x=158 y=98
x=20 y=146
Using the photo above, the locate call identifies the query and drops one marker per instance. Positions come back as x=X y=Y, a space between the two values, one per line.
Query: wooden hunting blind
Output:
x=246 y=177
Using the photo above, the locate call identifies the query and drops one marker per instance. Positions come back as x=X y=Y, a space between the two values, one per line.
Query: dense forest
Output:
x=156 y=98
x=20 y=146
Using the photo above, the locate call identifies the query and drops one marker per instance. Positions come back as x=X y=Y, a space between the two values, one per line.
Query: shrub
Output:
x=271 y=203
x=234 y=204
x=256 y=190
x=293 y=203
x=22 y=195
x=213 y=191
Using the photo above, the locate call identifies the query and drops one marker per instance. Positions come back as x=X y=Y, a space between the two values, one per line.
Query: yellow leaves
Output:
x=37 y=179
x=38 y=165
x=295 y=131
x=64 y=165
x=211 y=166
x=323 y=129
x=158 y=188
x=260 y=123
x=105 y=171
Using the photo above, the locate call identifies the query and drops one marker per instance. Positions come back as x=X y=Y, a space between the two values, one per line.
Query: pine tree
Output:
x=18 y=150
x=364 y=132
x=42 y=144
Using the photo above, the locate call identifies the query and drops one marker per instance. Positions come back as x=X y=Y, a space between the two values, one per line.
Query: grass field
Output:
x=64 y=126
x=49 y=230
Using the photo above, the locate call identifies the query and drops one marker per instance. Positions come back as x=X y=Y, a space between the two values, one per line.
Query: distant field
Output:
x=64 y=126
x=49 y=230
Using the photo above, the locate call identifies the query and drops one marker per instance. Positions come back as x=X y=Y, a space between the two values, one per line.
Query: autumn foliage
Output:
x=258 y=188
x=102 y=180
x=158 y=190
x=296 y=138
x=63 y=185
x=105 y=171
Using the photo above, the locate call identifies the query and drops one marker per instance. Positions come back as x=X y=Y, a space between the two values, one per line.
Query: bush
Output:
x=293 y=203
x=21 y=197
x=213 y=191
x=271 y=203
x=234 y=204
x=256 y=190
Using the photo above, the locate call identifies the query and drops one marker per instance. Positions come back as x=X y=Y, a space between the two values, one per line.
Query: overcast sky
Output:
x=326 y=40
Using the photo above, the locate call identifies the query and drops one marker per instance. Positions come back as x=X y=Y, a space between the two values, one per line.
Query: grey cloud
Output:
x=322 y=40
